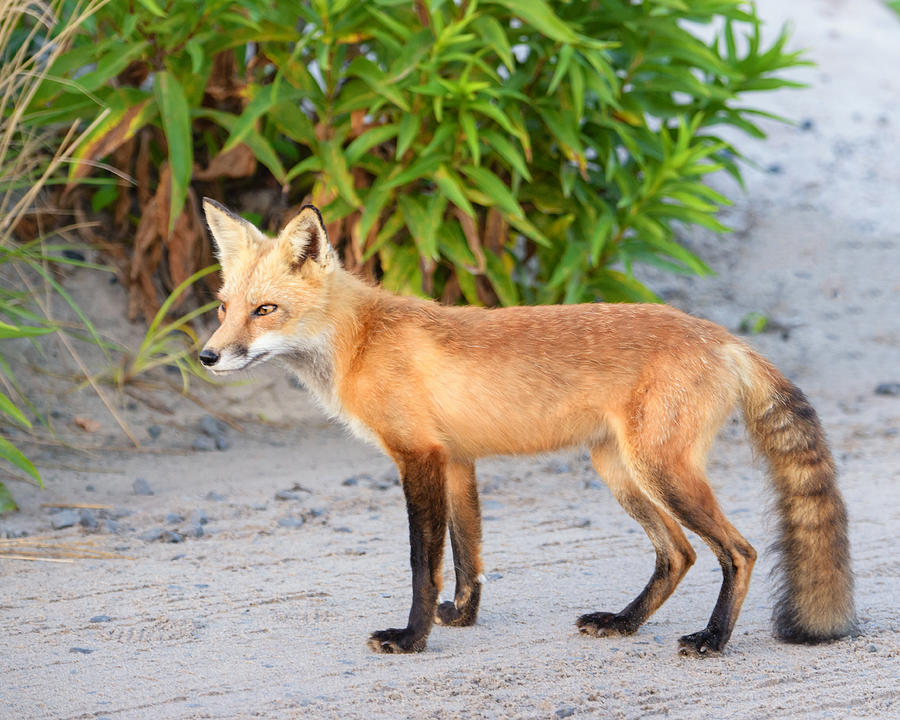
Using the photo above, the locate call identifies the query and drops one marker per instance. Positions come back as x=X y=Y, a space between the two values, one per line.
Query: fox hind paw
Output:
x=603 y=624
x=395 y=640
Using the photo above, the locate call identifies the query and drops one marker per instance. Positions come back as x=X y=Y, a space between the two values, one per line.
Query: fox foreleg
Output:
x=424 y=484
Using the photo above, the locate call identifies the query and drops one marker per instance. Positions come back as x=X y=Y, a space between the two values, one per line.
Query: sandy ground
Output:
x=266 y=614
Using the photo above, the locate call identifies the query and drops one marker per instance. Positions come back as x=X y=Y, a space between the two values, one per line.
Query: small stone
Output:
x=196 y=530
x=174 y=518
x=90 y=488
x=203 y=443
x=888 y=388
x=199 y=517
x=350 y=482
x=170 y=536
x=211 y=426
x=116 y=513
x=64 y=519
x=343 y=529
x=872 y=649
x=565 y=712
x=584 y=522
x=81 y=650
x=287 y=495
x=807 y=125
x=775 y=169
x=291 y=522
x=141 y=487
x=112 y=526
x=154 y=431
x=152 y=535
x=259 y=506
x=87 y=519
x=559 y=467
x=101 y=618
x=71 y=254
x=179 y=556
x=214 y=496
x=222 y=442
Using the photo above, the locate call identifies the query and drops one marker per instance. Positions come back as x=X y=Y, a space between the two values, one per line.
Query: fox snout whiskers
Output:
x=229 y=361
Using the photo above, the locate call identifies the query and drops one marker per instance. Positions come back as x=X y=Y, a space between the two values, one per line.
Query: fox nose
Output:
x=208 y=357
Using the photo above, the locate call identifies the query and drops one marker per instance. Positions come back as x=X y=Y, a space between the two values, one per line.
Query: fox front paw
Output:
x=396 y=640
x=700 y=644
x=603 y=624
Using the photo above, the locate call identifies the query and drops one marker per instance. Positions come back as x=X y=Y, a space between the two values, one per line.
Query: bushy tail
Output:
x=815 y=594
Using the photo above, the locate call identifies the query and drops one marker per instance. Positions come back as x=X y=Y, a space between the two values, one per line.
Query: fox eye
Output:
x=221 y=309
x=265 y=309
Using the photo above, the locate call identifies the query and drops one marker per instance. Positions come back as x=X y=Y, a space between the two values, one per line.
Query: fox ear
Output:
x=230 y=232
x=307 y=239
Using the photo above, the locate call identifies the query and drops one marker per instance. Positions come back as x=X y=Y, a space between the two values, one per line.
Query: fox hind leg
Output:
x=686 y=494
x=674 y=554
x=465 y=539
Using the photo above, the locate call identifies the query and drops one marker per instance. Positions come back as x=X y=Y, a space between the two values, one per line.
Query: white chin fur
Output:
x=263 y=348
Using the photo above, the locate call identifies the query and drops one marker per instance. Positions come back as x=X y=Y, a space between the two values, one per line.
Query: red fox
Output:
x=644 y=387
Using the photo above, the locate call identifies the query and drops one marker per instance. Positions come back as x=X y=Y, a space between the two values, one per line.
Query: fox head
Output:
x=274 y=290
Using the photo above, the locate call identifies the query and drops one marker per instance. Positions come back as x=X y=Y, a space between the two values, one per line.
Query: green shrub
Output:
x=493 y=151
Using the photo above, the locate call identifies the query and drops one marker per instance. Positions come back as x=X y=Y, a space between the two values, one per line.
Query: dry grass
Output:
x=45 y=548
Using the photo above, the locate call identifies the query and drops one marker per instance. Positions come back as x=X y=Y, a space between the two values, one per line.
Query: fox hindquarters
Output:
x=644 y=387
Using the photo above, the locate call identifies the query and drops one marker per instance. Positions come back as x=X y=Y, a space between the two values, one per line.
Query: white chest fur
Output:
x=313 y=364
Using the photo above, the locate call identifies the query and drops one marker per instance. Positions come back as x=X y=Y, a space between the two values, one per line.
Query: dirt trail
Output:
x=266 y=614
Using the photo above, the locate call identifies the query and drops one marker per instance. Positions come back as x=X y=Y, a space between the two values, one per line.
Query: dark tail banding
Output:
x=814 y=601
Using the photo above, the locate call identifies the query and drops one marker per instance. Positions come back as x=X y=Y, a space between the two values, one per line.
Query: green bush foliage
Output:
x=487 y=151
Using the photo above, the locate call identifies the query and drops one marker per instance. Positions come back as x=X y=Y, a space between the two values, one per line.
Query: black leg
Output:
x=424 y=485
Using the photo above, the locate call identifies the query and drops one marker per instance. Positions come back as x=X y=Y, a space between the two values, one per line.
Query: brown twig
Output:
x=86 y=506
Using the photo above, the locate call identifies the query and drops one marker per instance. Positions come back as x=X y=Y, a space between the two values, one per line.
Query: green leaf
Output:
x=402 y=273
x=508 y=152
x=153 y=7
x=496 y=192
x=376 y=79
x=421 y=168
x=262 y=149
x=541 y=17
x=423 y=220
x=11 y=331
x=616 y=286
x=335 y=163
x=14 y=456
x=369 y=139
x=572 y=259
x=494 y=37
x=266 y=97
x=9 y=407
x=471 y=135
x=754 y=323
x=7 y=504
x=409 y=128
x=176 y=121
x=451 y=186
x=501 y=280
